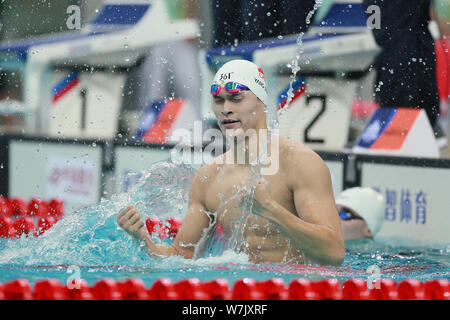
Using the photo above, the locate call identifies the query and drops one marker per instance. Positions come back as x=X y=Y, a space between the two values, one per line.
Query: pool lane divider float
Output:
x=33 y=218
x=219 y=289
x=168 y=228
x=164 y=229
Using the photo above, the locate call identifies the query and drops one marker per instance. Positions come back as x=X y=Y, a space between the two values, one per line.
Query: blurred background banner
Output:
x=71 y=172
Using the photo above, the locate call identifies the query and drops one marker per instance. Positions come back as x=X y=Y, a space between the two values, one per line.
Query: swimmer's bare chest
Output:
x=262 y=240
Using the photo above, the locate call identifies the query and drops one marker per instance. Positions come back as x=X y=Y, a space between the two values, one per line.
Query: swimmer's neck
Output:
x=245 y=150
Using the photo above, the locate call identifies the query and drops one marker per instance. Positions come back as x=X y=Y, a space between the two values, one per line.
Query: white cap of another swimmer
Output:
x=367 y=203
x=244 y=72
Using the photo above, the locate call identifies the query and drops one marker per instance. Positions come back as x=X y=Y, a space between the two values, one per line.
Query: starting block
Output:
x=73 y=81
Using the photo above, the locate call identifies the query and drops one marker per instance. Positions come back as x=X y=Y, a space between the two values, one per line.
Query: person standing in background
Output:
x=236 y=21
x=406 y=65
x=170 y=70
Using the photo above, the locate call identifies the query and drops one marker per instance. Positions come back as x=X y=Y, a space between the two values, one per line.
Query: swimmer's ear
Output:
x=367 y=233
x=261 y=104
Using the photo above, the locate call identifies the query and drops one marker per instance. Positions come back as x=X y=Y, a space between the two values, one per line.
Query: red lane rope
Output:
x=219 y=289
x=17 y=217
x=167 y=228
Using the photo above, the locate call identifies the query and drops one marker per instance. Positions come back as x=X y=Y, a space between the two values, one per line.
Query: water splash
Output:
x=91 y=236
x=294 y=66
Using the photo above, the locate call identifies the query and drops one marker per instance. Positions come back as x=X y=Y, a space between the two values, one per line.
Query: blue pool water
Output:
x=89 y=244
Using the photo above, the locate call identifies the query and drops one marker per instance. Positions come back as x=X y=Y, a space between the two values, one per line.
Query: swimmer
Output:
x=294 y=218
x=361 y=211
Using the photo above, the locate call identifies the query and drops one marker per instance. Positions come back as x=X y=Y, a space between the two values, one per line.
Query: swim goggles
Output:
x=230 y=87
x=346 y=214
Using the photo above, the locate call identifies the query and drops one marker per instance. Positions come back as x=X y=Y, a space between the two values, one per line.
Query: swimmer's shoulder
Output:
x=299 y=159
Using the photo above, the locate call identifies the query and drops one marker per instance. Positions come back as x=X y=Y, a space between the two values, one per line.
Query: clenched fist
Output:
x=263 y=200
x=130 y=220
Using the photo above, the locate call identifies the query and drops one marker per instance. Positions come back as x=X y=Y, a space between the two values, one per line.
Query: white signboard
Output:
x=417 y=201
x=47 y=170
x=337 y=175
x=71 y=179
x=85 y=105
x=320 y=118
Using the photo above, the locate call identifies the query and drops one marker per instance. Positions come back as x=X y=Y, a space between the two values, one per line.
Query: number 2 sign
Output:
x=320 y=117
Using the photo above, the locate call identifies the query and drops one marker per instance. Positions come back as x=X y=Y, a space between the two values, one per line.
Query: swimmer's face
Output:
x=354 y=228
x=237 y=112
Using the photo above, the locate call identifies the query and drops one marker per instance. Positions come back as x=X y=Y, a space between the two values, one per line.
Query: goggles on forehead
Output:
x=346 y=214
x=230 y=87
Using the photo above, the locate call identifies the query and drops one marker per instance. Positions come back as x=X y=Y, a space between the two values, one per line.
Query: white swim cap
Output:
x=246 y=73
x=366 y=202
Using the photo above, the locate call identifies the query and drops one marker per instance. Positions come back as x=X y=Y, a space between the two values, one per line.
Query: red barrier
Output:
x=153 y=225
x=328 y=289
x=24 y=226
x=133 y=289
x=301 y=289
x=437 y=290
x=273 y=289
x=441 y=47
x=19 y=289
x=18 y=206
x=191 y=289
x=34 y=208
x=7 y=229
x=79 y=291
x=5 y=208
x=410 y=290
x=174 y=226
x=106 y=289
x=18 y=218
x=247 y=289
x=164 y=229
x=56 y=208
x=44 y=224
x=37 y=208
x=163 y=289
x=244 y=289
x=49 y=290
x=383 y=289
x=355 y=289
x=218 y=289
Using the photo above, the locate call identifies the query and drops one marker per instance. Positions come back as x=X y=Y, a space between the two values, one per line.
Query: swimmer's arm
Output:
x=315 y=229
x=195 y=222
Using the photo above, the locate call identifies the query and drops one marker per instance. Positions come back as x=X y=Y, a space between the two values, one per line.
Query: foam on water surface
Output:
x=91 y=235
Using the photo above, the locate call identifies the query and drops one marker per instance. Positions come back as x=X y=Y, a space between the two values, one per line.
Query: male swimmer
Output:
x=361 y=211
x=294 y=216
